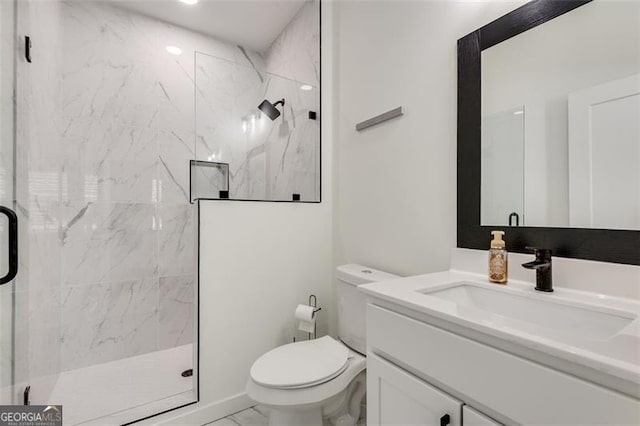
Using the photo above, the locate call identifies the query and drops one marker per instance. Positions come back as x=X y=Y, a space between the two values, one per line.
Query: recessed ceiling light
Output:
x=306 y=87
x=174 y=50
x=518 y=112
x=190 y=2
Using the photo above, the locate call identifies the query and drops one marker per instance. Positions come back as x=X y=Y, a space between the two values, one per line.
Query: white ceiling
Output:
x=254 y=24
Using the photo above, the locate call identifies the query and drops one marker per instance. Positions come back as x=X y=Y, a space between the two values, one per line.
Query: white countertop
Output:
x=615 y=360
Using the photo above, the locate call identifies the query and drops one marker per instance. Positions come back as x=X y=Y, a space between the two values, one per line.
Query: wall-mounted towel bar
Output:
x=396 y=112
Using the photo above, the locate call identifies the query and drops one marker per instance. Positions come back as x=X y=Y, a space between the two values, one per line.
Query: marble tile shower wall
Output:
x=111 y=230
x=268 y=160
x=127 y=230
x=295 y=54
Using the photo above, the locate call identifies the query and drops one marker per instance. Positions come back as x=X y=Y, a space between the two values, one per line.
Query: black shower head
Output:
x=270 y=109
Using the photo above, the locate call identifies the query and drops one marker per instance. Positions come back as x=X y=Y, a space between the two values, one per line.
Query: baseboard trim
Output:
x=201 y=413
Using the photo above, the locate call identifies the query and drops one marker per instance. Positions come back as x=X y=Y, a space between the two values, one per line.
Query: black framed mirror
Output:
x=618 y=244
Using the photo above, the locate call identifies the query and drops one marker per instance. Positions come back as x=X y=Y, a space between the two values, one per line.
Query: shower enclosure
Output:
x=116 y=119
x=100 y=317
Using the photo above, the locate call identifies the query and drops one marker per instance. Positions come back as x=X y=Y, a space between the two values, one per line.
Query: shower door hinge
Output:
x=27 y=48
x=25 y=396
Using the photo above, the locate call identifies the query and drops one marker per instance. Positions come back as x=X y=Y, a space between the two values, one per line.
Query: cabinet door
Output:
x=471 y=417
x=397 y=398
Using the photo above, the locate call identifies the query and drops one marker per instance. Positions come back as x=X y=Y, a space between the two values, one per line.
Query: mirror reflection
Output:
x=561 y=122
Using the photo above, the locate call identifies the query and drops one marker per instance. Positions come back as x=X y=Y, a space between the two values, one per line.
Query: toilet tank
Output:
x=352 y=303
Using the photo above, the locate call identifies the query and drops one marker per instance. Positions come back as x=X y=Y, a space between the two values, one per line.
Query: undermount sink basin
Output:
x=540 y=315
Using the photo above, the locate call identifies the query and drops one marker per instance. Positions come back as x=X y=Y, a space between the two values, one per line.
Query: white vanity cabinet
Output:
x=472 y=417
x=397 y=398
x=410 y=362
x=402 y=399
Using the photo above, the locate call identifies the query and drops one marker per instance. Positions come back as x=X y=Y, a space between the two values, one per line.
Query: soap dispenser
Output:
x=498 y=259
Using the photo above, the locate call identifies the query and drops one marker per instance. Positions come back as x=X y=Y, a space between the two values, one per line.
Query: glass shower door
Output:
x=30 y=290
x=101 y=316
x=9 y=315
x=107 y=278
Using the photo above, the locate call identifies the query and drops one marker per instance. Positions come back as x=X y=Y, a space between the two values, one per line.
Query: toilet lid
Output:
x=301 y=364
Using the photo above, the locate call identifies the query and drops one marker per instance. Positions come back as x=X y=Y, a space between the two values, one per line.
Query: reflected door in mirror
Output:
x=604 y=155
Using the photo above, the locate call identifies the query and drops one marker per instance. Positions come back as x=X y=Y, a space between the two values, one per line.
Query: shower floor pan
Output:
x=125 y=390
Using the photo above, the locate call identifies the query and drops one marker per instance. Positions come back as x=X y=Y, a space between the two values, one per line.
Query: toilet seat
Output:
x=310 y=395
x=301 y=364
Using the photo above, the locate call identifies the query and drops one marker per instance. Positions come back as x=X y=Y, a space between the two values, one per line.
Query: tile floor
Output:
x=254 y=416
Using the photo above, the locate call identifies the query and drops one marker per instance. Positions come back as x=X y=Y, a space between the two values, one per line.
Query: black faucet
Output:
x=542 y=265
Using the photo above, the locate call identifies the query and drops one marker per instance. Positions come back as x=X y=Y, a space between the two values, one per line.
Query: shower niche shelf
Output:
x=209 y=180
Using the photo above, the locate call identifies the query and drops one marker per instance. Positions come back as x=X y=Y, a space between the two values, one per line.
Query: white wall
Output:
x=395 y=183
x=259 y=260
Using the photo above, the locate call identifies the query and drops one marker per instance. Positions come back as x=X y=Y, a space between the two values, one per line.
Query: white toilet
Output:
x=305 y=382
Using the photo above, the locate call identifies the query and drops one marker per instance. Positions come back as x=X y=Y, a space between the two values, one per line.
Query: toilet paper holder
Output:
x=313 y=301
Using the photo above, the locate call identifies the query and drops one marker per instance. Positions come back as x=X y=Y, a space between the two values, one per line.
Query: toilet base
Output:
x=341 y=410
x=308 y=417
